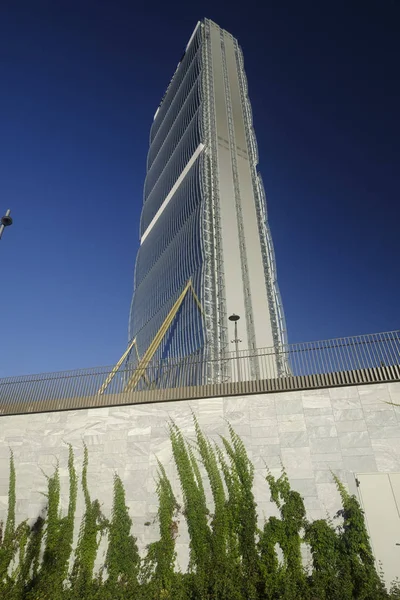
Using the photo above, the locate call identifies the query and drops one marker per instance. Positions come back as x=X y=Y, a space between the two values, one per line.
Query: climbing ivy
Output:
x=30 y=563
x=230 y=556
x=122 y=558
x=195 y=510
x=93 y=527
x=358 y=565
x=13 y=542
x=158 y=575
x=51 y=576
x=8 y=542
x=225 y=576
x=288 y=534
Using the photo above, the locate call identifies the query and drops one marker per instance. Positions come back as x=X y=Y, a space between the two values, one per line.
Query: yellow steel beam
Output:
x=140 y=371
x=151 y=350
x=191 y=288
x=196 y=297
x=111 y=375
x=138 y=358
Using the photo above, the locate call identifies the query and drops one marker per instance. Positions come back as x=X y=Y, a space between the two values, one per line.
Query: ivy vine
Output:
x=230 y=556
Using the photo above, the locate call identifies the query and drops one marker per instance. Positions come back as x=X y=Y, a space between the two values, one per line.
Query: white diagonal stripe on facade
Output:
x=176 y=185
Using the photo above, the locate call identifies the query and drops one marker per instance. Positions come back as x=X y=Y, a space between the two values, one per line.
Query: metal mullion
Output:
x=292 y=358
x=350 y=358
x=70 y=386
x=356 y=351
x=306 y=359
x=272 y=364
x=48 y=390
x=83 y=378
x=98 y=376
x=174 y=94
x=77 y=384
x=362 y=354
x=95 y=375
x=312 y=349
x=324 y=368
x=14 y=393
x=302 y=360
x=265 y=363
x=39 y=393
x=294 y=350
x=384 y=349
x=17 y=395
x=396 y=348
x=321 y=354
x=261 y=361
x=389 y=341
x=336 y=354
x=178 y=114
x=374 y=351
x=314 y=357
x=341 y=344
x=299 y=357
x=368 y=351
x=67 y=387
x=336 y=368
x=328 y=354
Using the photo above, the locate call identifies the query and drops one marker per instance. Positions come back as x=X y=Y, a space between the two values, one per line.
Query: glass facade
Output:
x=171 y=250
x=201 y=174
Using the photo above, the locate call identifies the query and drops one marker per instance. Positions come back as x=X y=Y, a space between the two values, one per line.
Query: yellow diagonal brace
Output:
x=138 y=359
x=151 y=350
x=140 y=371
x=196 y=297
x=111 y=376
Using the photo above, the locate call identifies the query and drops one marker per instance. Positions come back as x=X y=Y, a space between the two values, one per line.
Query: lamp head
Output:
x=234 y=317
x=6 y=221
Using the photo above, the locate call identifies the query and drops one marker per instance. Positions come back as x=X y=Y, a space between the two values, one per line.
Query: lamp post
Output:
x=235 y=319
x=6 y=221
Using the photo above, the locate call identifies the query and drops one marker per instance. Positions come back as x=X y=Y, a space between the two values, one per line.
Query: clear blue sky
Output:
x=80 y=81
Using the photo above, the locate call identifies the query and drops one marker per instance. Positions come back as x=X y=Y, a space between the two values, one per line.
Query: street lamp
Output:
x=6 y=221
x=235 y=318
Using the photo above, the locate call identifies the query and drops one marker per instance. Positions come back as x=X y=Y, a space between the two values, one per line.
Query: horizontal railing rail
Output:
x=341 y=361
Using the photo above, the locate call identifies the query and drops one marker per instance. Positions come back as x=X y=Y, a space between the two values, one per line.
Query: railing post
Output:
x=344 y=361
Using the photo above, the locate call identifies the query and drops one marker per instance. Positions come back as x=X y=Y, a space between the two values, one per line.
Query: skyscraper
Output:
x=205 y=246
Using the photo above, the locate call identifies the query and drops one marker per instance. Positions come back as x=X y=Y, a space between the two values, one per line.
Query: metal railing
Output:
x=341 y=361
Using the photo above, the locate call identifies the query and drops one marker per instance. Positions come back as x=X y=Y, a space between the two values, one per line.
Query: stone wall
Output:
x=346 y=430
